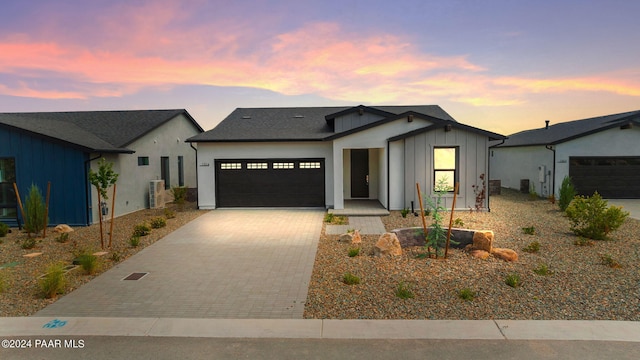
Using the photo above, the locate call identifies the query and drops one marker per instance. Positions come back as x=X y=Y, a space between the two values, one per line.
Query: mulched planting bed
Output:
x=580 y=285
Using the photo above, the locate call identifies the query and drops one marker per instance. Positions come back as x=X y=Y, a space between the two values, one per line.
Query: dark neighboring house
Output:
x=60 y=147
x=599 y=154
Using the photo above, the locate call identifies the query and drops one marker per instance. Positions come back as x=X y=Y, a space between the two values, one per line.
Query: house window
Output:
x=445 y=167
x=310 y=165
x=230 y=166
x=180 y=170
x=284 y=165
x=165 y=172
x=254 y=166
x=143 y=160
x=8 y=199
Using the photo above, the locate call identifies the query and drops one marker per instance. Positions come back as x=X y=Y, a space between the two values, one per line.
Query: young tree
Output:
x=35 y=211
x=102 y=180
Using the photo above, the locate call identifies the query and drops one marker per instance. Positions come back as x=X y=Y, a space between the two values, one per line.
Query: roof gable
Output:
x=566 y=131
x=108 y=131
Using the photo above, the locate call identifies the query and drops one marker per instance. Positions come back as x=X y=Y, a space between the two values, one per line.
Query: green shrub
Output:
x=529 y=230
x=513 y=280
x=458 y=222
x=591 y=218
x=533 y=247
x=567 y=193
x=542 y=270
x=28 y=243
x=158 y=223
x=169 y=214
x=54 y=281
x=350 y=279
x=404 y=291
x=4 y=229
x=404 y=212
x=34 y=211
x=134 y=241
x=610 y=261
x=466 y=294
x=63 y=238
x=89 y=262
x=533 y=195
x=179 y=194
x=141 y=230
x=354 y=252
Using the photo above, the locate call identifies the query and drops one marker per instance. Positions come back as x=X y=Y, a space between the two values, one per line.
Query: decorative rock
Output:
x=346 y=238
x=388 y=244
x=63 y=228
x=30 y=255
x=356 y=238
x=480 y=254
x=505 y=254
x=483 y=240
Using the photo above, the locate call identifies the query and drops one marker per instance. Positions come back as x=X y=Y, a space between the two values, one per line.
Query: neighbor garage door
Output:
x=612 y=177
x=270 y=183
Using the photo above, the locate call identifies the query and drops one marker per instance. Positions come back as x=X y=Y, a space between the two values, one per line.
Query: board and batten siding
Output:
x=417 y=153
x=355 y=120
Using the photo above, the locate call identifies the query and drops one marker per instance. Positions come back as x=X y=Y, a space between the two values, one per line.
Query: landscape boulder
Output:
x=63 y=228
x=356 y=238
x=346 y=238
x=505 y=254
x=483 y=240
x=388 y=244
x=480 y=254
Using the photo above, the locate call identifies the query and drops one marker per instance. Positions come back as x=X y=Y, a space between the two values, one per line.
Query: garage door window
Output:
x=230 y=166
x=310 y=165
x=284 y=165
x=255 y=166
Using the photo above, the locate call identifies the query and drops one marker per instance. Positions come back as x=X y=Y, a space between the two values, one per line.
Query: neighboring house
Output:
x=322 y=156
x=600 y=153
x=60 y=147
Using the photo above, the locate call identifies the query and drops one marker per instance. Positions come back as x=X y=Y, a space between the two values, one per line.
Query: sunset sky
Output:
x=503 y=65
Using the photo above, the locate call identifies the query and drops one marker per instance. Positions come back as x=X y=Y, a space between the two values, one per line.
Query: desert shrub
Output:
x=134 y=241
x=116 y=257
x=4 y=229
x=458 y=222
x=88 y=262
x=34 y=211
x=179 y=194
x=567 y=193
x=542 y=270
x=590 y=217
x=354 y=252
x=466 y=294
x=28 y=243
x=350 y=279
x=404 y=212
x=529 y=230
x=608 y=260
x=403 y=291
x=54 y=281
x=169 y=214
x=158 y=223
x=141 y=230
x=580 y=241
x=513 y=280
x=533 y=247
x=63 y=238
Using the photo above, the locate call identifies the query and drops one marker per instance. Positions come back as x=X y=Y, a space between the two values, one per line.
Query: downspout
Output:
x=553 y=177
x=87 y=188
x=388 y=176
x=197 y=192
x=489 y=171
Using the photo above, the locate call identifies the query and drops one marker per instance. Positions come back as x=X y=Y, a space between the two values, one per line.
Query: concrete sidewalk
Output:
x=574 y=330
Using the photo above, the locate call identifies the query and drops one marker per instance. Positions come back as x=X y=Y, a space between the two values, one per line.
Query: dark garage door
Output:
x=612 y=177
x=270 y=183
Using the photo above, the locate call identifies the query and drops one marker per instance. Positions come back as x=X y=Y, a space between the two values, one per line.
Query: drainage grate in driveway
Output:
x=135 y=276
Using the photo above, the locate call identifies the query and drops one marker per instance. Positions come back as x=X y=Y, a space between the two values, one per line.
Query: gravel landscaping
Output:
x=21 y=295
x=579 y=284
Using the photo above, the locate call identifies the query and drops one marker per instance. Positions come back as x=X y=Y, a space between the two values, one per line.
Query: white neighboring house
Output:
x=599 y=154
x=326 y=156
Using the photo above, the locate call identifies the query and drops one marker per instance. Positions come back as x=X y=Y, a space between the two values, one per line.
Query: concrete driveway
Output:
x=224 y=264
x=630 y=205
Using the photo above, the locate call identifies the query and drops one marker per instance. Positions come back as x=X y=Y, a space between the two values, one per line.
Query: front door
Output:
x=359 y=173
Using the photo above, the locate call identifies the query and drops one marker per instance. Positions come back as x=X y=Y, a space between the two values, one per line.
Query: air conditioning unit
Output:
x=156 y=194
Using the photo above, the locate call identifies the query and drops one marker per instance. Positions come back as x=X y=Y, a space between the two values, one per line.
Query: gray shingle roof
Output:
x=106 y=131
x=566 y=131
x=295 y=123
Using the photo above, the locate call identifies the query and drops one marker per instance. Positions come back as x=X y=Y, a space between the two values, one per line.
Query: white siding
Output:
x=512 y=164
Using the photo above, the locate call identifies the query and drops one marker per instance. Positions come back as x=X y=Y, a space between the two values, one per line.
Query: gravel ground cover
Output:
x=579 y=284
x=20 y=293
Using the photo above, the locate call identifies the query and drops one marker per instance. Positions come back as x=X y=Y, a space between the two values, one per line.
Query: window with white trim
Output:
x=445 y=167
x=254 y=166
x=284 y=165
x=310 y=165
x=230 y=166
